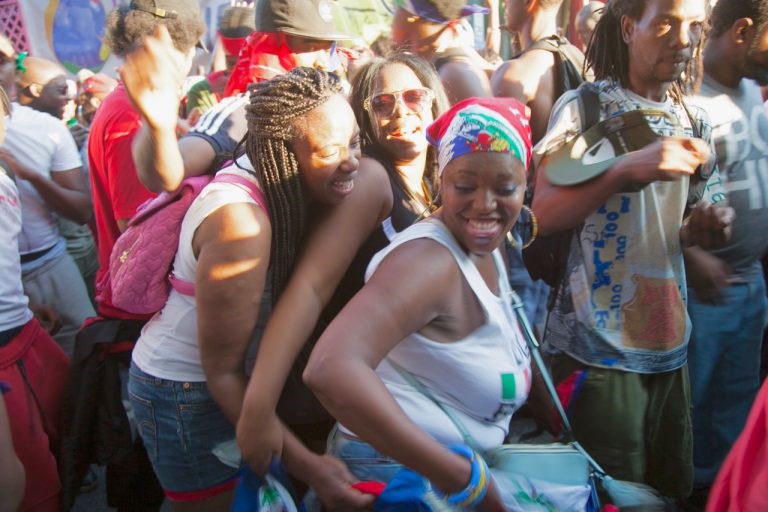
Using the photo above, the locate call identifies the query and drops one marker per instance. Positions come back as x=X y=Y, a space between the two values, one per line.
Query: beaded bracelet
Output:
x=474 y=492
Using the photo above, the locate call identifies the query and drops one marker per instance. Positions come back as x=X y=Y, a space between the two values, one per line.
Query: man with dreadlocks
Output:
x=727 y=300
x=618 y=332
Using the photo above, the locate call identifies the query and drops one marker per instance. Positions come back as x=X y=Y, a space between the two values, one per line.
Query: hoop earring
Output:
x=534 y=230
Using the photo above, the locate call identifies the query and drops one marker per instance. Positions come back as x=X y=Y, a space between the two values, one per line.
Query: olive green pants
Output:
x=637 y=426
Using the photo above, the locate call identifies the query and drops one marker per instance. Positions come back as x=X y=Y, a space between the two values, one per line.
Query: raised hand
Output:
x=153 y=75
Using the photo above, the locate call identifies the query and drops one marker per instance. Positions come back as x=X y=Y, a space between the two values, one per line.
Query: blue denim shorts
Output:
x=363 y=461
x=181 y=425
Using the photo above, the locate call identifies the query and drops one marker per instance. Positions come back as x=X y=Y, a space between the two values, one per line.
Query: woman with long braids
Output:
x=394 y=99
x=188 y=371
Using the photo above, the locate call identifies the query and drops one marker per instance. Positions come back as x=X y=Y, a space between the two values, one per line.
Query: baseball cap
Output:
x=312 y=19
x=237 y=21
x=170 y=9
x=596 y=150
x=441 y=12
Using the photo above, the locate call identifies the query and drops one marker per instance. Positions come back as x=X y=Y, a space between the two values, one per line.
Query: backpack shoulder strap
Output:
x=568 y=66
x=188 y=288
x=589 y=112
x=550 y=44
x=589 y=106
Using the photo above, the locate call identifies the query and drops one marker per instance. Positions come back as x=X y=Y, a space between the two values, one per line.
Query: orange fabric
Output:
x=742 y=484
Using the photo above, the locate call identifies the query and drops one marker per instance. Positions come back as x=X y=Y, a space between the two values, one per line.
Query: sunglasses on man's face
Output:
x=385 y=103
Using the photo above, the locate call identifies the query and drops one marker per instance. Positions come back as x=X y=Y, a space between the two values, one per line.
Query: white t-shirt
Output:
x=42 y=143
x=168 y=346
x=740 y=132
x=14 y=310
x=622 y=303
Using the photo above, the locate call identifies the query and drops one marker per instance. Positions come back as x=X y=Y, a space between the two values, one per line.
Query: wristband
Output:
x=4 y=387
x=474 y=492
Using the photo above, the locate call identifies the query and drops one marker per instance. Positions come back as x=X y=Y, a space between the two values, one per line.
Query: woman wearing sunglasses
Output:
x=394 y=100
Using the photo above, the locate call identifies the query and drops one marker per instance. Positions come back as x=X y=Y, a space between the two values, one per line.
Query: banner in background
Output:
x=72 y=31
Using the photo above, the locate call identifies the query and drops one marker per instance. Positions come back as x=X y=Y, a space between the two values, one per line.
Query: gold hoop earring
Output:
x=534 y=230
x=534 y=227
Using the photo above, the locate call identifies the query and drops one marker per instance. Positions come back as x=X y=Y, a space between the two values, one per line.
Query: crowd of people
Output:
x=374 y=214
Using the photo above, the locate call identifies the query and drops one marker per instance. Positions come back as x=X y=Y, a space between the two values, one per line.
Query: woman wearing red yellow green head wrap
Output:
x=436 y=309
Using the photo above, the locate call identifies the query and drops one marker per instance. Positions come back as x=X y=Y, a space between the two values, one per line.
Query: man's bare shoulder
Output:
x=520 y=77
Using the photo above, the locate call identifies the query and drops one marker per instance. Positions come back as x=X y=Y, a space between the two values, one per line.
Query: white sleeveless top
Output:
x=482 y=378
x=168 y=347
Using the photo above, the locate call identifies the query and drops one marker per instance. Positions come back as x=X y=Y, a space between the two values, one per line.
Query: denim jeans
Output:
x=724 y=363
x=182 y=428
x=533 y=294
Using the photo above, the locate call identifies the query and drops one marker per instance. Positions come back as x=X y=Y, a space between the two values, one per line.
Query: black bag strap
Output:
x=569 y=64
x=589 y=113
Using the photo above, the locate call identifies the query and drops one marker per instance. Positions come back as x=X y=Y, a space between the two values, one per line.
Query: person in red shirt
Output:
x=117 y=192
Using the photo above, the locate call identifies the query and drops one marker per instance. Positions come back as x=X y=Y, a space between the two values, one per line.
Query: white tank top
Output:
x=168 y=346
x=482 y=378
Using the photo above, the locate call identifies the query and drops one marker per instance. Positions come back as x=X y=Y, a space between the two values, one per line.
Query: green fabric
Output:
x=508 y=387
x=201 y=97
x=637 y=426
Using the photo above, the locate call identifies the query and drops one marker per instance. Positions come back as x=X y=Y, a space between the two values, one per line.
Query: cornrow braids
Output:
x=275 y=114
x=608 y=55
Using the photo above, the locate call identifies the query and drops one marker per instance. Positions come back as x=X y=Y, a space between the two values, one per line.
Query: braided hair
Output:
x=608 y=55
x=275 y=120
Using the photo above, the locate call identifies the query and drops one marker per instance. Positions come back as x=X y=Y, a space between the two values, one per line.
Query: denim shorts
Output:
x=181 y=426
x=363 y=461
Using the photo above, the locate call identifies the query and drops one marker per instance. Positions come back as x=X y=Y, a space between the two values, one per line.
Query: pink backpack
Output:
x=140 y=274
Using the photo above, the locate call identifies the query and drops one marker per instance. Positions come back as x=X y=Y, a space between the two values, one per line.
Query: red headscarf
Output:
x=264 y=56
